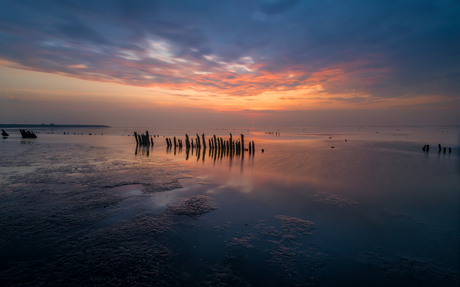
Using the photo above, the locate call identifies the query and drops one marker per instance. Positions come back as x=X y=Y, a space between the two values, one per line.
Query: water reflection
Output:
x=215 y=149
x=143 y=150
x=212 y=153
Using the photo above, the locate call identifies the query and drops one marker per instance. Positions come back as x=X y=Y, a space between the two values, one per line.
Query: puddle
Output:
x=127 y=190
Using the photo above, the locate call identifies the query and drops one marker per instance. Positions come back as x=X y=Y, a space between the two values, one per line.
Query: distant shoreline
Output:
x=50 y=126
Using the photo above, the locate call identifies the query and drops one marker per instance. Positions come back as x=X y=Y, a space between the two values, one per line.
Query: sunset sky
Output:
x=224 y=63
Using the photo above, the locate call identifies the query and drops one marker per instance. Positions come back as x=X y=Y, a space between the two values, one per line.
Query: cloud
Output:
x=242 y=48
x=351 y=100
x=6 y=98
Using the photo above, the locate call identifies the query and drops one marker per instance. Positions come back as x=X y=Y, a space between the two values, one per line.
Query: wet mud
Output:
x=411 y=269
x=68 y=217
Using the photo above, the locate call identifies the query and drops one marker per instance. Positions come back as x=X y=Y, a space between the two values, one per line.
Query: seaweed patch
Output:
x=413 y=268
x=194 y=206
x=334 y=199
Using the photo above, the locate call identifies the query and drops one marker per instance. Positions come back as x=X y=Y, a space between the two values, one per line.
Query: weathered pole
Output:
x=135 y=136
x=198 y=143
x=146 y=140
x=204 y=141
x=231 y=142
x=187 y=141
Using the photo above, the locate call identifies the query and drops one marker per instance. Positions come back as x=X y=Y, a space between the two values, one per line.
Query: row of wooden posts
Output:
x=143 y=139
x=215 y=154
x=28 y=134
x=25 y=134
x=199 y=142
x=214 y=143
x=427 y=148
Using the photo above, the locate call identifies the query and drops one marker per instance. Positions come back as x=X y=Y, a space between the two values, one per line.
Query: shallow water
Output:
x=312 y=209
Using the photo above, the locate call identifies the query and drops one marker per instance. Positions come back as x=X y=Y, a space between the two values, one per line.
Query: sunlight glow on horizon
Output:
x=40 y=86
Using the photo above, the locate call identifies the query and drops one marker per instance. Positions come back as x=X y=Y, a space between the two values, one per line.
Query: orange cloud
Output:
x=235 y=86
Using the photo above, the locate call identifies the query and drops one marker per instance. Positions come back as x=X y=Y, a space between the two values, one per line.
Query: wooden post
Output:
x=187 y=141
x=204 y=141
x=175 y=144
x=231 y=142
x=242 y=143
x=439 y=146
x=198 y=143
x=253 y=149
x=135 y=136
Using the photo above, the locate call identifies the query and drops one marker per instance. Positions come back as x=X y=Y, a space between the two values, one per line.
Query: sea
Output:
x=307 y=206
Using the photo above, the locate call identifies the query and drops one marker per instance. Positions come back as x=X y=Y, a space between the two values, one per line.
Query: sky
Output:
x=230 y=63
